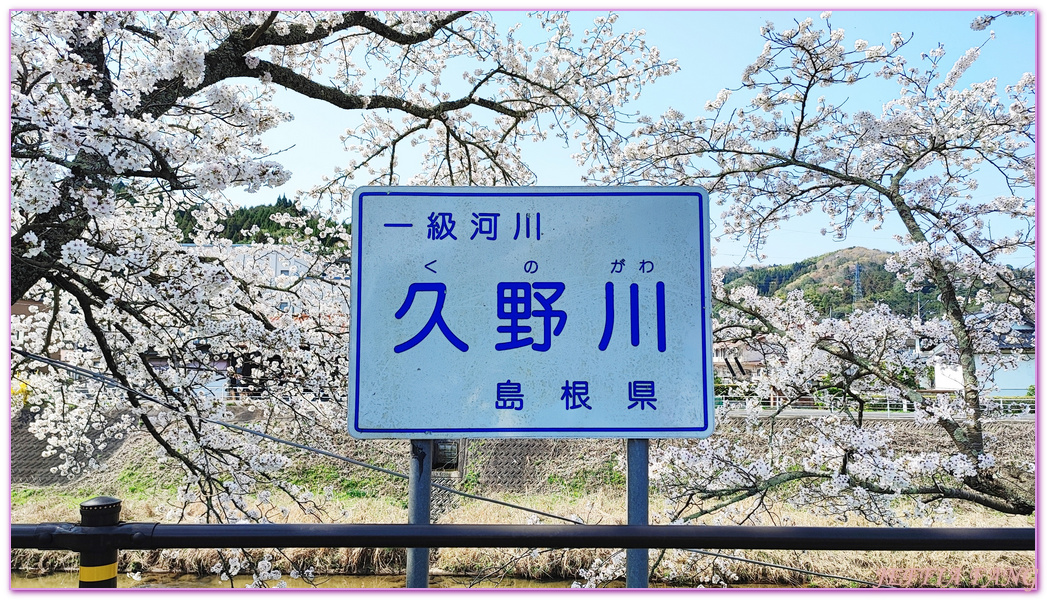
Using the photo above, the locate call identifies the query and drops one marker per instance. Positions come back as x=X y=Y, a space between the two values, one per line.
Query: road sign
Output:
x=530 y=312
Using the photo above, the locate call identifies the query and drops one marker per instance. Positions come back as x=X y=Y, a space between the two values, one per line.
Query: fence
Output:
x=101 y=535
x=1004 y=405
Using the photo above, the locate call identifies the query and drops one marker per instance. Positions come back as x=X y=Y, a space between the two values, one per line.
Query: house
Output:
x=1020 y=341
x=735 y=360
x=283 y=266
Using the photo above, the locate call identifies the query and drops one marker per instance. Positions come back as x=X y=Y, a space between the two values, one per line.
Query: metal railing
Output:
x=1004 y=405
x=101 y=535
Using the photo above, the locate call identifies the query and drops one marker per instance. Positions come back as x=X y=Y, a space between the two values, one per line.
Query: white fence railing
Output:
x=826 y=401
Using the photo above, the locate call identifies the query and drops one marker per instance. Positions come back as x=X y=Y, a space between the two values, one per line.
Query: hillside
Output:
x=239 y=224
x=828 y=282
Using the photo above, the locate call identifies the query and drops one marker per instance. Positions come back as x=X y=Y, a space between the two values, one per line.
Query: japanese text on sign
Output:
x=530 y=312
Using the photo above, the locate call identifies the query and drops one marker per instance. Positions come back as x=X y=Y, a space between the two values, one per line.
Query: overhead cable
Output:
x=113 y=383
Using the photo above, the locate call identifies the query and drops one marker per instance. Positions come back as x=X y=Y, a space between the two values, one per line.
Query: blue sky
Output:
x=712 y=47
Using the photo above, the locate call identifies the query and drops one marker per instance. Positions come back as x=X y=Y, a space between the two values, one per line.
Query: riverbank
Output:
x=67 y=580
x=469 y=567
x=578 y=481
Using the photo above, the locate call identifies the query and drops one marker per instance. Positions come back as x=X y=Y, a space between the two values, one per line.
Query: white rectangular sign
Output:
x=530 y=312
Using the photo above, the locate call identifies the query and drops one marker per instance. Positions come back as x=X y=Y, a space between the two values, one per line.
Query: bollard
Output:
x=98 y=565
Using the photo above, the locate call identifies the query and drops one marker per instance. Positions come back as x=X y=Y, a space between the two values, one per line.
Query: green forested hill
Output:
x=828 y=282
x=239 y=224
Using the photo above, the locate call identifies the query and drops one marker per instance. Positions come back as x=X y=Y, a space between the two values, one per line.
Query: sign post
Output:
x=532 y=312
x=637 y=507
x=419 y=496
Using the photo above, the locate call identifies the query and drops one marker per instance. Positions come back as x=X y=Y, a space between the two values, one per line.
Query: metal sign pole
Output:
x=418 y=502
x=637 y=506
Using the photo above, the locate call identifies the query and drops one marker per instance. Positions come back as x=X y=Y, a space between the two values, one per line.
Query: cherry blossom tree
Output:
x=797 y=135
x=125 y=122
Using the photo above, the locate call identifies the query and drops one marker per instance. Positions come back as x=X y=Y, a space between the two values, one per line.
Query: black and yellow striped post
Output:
x=98 y=564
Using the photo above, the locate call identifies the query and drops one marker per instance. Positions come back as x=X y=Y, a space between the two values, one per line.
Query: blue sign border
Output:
x=359 y=198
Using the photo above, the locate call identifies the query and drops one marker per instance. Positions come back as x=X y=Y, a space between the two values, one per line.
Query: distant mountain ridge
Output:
x=827 y=282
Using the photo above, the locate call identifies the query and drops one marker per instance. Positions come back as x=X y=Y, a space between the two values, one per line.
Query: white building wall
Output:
x=1013 y=382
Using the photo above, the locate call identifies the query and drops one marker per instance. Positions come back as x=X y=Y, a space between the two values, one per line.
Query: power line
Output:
x=113 y=383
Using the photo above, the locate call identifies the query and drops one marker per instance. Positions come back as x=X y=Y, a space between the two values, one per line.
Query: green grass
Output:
x=142 y=485
x=23 y=496
x=27 y=497
x=584 y=481
x=316 y=478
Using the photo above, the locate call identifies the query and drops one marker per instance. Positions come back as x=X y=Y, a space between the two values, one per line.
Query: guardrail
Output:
x=100 y=536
